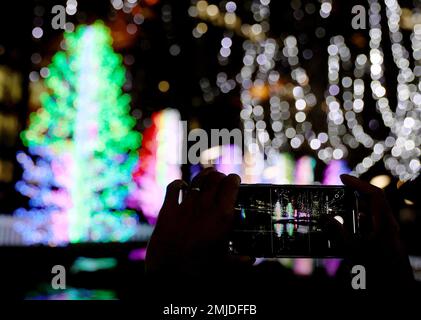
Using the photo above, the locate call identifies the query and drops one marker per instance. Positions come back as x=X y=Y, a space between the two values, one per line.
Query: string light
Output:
x=325 y=8
x=403 y=142
x=289 y=128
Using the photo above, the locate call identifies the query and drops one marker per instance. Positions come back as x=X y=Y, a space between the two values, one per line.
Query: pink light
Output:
x=304 y=170
x=333 y=170
x=332 y=266
x=137 y=254
x=228 y=161
x=60 y=222
x=303 y=266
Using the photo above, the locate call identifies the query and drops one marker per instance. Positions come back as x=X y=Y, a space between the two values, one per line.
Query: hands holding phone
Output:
x=380 y=248
x=190 y=237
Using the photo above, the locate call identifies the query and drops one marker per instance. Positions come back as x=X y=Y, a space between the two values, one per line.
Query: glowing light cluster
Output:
x=401 y=149
x=288 y=102
x=343 y=116
x=325 y=8
x=81 y=147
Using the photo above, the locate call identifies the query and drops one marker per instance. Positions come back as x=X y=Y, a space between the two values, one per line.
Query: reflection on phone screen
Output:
x=275 y=221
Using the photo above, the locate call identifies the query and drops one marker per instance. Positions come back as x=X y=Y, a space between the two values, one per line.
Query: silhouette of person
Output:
x=190 y=238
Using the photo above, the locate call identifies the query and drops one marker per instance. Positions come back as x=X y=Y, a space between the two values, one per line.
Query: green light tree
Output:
x=85 y=128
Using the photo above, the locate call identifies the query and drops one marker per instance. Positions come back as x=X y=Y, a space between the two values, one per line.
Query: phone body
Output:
x=293 y=221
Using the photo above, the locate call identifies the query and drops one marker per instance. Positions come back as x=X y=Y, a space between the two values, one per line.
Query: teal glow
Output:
x=93 y=264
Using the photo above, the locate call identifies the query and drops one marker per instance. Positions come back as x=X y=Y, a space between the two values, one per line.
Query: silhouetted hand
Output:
x=380 y=249
x=191 y=238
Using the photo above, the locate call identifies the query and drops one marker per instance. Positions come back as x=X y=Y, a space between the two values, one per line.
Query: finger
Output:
x=219 y=224
x=212 y=178
x=197 y=181
x=239 y=262
x=379 y=207
x=369 y=190
x=227 y=194
x=364 y=222
x=211 y=184
x=360 y=185
x=195 y=186
x=242 y=260
x=335 y=231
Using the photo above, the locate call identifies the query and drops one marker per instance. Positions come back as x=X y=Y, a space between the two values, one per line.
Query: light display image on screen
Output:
x=275 y=221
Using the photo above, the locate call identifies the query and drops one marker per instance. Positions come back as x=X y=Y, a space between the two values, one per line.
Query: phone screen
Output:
x=293 y=220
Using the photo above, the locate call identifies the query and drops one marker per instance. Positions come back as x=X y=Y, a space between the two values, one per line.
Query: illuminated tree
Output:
x=82 y=149
x=277 y=211
x=290 y=210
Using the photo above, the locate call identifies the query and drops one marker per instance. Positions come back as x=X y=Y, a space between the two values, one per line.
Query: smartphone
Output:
x=293 y=221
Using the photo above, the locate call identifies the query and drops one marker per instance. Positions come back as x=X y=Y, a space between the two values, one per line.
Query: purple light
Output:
x=331 y=266
x=230 y=160
x=333 y=171
x=137 y=254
